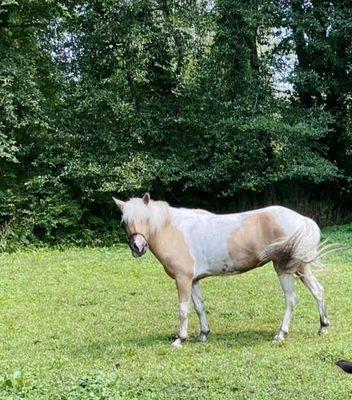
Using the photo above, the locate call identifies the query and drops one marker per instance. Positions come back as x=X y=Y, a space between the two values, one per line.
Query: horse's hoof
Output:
x=177 y=344
x=280 y=338
x=323 y=331
x=203 y=338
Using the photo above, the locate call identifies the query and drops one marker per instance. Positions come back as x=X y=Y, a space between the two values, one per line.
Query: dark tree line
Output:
x=224 y=104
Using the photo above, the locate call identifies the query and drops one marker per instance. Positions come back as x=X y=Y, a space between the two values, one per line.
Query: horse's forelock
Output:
x=156 y=212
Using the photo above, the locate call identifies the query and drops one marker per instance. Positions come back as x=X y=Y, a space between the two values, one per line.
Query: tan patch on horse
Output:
x=170 y=248
x=247 y=243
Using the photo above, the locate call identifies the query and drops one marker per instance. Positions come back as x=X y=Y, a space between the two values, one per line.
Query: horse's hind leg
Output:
x=287 y=282
x=199 y=307
x=311 y=282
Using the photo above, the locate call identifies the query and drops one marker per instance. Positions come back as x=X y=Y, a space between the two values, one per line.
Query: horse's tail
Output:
x=303 y=247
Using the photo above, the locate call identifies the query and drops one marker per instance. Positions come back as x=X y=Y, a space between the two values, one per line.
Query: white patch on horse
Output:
x=204 y=235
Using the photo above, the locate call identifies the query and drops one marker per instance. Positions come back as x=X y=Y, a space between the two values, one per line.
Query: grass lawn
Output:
x=97 y=324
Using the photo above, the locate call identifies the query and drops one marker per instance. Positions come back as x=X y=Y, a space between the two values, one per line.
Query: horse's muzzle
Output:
x=138 y=245
x=139 y=253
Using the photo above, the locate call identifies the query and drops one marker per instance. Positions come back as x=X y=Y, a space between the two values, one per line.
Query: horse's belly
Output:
x=223 y=267
x=226 y=265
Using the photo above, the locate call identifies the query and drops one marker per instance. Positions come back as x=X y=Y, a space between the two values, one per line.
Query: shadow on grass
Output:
x=229 y=339
x=243 y=338
x=233 y=339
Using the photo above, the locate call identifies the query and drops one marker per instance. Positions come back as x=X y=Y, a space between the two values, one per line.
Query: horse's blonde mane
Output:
x=156 y=212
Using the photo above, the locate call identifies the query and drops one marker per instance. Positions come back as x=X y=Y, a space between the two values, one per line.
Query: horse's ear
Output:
x=120 y=204
x=146 y=198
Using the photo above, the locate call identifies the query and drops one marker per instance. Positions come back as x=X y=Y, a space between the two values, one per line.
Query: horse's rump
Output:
x=288 y=254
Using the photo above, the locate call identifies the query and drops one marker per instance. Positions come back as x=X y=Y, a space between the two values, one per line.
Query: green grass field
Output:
x=97 y=324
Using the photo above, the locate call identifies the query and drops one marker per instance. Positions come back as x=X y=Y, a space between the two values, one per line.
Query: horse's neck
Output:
x=163 y=237
x=159 y=241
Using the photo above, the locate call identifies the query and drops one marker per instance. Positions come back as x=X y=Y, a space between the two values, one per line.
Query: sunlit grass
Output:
x=97 y=324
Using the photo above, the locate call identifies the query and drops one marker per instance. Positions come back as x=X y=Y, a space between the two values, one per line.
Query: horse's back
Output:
x=274 y=220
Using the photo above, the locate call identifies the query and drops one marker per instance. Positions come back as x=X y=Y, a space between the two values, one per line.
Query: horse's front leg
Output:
x=184 y=287
x=199 y=307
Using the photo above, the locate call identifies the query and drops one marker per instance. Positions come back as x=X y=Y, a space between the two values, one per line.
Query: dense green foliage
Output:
x=225 y=104
x=97 y=324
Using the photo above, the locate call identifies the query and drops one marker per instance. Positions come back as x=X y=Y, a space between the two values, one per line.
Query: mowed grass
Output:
x=97 y=324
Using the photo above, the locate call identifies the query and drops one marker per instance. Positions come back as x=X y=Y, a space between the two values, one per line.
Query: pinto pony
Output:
x=193 y=244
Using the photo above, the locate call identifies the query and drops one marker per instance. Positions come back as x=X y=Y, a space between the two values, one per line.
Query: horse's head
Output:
x=135 y=217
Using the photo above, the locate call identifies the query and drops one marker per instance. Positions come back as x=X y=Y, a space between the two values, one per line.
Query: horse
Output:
x=193 y=244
